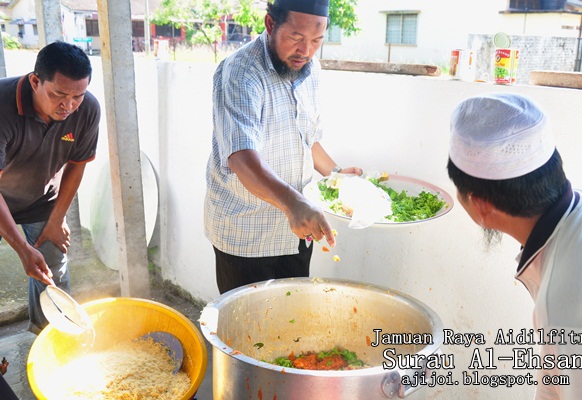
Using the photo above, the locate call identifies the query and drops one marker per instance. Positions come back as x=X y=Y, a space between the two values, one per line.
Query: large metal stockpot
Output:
x=250 y=326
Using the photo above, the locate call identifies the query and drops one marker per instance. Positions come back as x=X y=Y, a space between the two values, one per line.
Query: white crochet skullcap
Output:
x=499 y=136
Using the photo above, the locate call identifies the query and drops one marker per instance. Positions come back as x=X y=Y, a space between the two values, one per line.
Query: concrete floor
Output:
x=90 y=279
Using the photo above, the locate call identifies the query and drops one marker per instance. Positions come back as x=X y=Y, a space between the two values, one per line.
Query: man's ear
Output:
x=483 y=209
x=269 y=24
x=34 y=81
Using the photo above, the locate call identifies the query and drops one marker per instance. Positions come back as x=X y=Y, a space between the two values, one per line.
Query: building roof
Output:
x=137 y=6
x=80 y=5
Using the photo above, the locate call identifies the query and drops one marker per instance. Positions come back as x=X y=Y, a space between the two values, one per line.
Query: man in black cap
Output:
x=265 y=148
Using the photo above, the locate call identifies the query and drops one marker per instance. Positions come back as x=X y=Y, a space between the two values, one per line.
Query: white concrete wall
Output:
x=442 y=26
x=394 y=123
x=542 y=24
x=389 y=122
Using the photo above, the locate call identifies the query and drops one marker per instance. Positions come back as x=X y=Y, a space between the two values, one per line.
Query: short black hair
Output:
x=278 y=13
x=64 y=58
x=525 y=196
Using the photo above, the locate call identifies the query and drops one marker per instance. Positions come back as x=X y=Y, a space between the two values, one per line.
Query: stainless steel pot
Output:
x=250 y=326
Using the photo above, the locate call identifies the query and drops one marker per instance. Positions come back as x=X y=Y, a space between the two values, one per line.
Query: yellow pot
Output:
x=116 y=320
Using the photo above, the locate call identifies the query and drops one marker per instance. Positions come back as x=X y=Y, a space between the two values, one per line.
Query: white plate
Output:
x=412 y=186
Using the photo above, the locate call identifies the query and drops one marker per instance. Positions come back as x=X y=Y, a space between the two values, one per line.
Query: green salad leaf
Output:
x=405 y=208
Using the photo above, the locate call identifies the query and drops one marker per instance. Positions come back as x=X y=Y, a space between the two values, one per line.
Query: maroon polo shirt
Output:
x=33 y=153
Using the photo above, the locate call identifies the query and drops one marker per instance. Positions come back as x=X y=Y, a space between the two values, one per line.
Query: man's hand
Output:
x=308 y=220
x=58 y=234
x=352 y=170
x=4 y=365
x=305 y=218
x=35 y=266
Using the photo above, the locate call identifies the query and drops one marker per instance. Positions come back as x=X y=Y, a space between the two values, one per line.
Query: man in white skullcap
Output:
x=265 y=148
x=509 y=178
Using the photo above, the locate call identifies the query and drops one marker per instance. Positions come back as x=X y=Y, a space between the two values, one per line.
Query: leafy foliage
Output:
x=202 y=18
x=10 y=42
x=342 y=13
x=250 y=16
x=405 y=207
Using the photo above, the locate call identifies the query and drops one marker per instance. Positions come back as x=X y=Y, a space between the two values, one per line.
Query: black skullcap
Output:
x=314 y=7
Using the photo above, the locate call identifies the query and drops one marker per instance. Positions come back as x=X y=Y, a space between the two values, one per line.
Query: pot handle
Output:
x=392 y=386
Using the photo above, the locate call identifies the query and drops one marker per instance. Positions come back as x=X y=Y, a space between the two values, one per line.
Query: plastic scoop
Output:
x=63 y=312
x=171 y=343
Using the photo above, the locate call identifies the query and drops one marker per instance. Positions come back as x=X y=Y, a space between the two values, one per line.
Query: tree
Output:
x=9 y=42
x=251 y=16
x=200 y=18
x=342 y=13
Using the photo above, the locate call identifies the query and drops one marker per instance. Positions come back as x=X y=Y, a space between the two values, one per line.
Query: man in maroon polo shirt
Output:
x=49 y=124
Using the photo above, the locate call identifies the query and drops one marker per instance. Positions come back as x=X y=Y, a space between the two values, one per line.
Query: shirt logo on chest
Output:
x=68 y=137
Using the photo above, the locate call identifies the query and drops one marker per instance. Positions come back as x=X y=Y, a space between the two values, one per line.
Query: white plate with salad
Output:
x=384 y=199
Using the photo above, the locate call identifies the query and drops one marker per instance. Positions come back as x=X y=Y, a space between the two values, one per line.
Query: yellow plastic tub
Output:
x=116 y=320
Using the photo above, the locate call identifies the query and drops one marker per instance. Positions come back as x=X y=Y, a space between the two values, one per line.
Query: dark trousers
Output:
x=233 y=271
x=6 y=393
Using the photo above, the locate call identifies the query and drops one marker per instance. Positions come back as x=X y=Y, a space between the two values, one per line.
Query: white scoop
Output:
x=63 y=312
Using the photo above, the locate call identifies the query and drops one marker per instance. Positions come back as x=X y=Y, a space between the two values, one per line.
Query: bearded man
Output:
x=265 y=148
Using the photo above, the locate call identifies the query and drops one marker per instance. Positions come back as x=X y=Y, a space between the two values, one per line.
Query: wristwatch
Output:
x=336 y=169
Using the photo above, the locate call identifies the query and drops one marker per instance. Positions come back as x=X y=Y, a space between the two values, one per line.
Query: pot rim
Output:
x=209 y=323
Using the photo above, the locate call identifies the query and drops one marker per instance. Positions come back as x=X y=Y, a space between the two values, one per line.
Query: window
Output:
x=137 y=29
x=333 y=34
x=92 y=26
x=401 y=28
x=35 y=29
x=168 y=30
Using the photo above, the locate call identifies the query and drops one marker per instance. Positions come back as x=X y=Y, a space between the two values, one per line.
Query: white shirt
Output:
x=553 y=276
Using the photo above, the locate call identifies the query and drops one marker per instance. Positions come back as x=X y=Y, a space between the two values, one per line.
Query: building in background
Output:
x=81 y=25
x=421 y=32
x=22 y=22
x=397 y=31
x=4 y=18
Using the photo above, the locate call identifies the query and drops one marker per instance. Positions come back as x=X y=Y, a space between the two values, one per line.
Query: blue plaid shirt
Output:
x=254 y=108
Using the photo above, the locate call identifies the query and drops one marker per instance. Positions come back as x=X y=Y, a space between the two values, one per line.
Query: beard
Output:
x=492 y=238
x=282 y=69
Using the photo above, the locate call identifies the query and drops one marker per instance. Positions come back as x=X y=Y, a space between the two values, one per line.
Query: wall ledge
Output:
x=378 y=67
x=572 y=80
